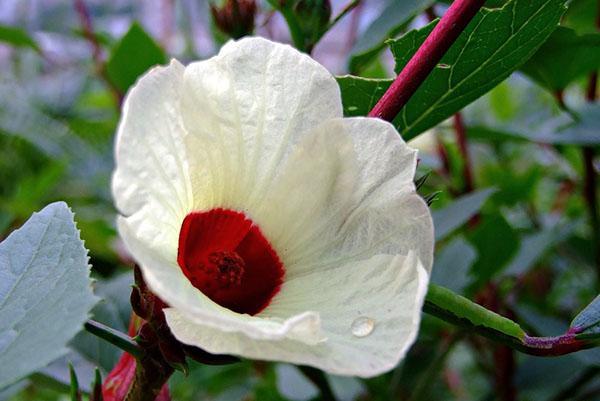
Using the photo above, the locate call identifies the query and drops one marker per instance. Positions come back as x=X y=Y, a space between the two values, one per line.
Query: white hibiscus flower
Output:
x=274 y=228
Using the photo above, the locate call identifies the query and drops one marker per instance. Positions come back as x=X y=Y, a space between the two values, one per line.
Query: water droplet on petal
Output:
x=362 y=326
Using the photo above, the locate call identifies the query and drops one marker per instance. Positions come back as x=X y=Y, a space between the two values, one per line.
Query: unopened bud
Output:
x=235 y=18
x=312 y=16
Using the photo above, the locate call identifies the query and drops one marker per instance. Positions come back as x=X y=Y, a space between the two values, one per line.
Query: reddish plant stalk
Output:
x=461 y=138
x=456 y=19
x=88 y=32
x=590 y=181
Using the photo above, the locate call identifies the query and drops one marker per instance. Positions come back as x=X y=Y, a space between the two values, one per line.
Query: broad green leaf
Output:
x=359 y=95
x=17 y=37
x=135 y=53
x=393 y=19
x=441 y=301
x=456 y=214
x=45 y=291
x=563 y=58
x=496 y=243
x=495 y=43
x=588 y=320
x=582 y=16
x=452 y=264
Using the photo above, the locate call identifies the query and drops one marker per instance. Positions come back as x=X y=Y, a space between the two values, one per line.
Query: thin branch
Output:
x=317 y=377
x=539 y=346
x=115 y=337
x=349 y=7
x=445 y=33
x=461 y=137
x=88 y=32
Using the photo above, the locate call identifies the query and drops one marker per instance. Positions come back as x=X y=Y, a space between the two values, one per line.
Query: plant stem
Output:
x=501 y=329
x=151 y=373
x=88 y=31
x=295 y=31
x=317 y=377
x=349 y=7
x=456 y=19
x=421 y=390
x=568 y=392
x=461 y=138
x=115 y=337
x=590 y=181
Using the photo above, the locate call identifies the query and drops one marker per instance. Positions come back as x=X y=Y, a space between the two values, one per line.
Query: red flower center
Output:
x=226 y=256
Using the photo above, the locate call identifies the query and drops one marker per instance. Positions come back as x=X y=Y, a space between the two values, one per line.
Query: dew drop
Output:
x=362 y=326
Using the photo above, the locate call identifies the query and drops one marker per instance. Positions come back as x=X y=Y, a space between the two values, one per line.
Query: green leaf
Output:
x=135 y=53
x=359 y=95
x=582 y=16
x=588 y=320
x=452 y=264
x=75 y=392
x=564 y=58
x=442 y=302
x=496 y=243
x=17 y=37
x=534 y=246
x=561 y=130
x=456 y=214
x=45 y=291
x=492 y=46
x=392 y=20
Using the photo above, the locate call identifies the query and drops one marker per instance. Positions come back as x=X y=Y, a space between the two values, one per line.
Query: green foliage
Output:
x=17 y=37
x=392 y=20
x=43 y=261
x=471 y=313
x=133 y=55
x=496 y=243
x=524 y=231
x=359 y=95
x=564 y=58
x=494 y=44
x=588 y=320
x=459 y=212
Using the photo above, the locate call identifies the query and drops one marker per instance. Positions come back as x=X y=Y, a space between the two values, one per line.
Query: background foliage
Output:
x=510 y=178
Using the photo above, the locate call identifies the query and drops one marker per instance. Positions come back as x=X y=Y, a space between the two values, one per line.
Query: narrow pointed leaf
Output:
x=457 y=213
x=588 y=320
x=45 y=291
x=135 y=53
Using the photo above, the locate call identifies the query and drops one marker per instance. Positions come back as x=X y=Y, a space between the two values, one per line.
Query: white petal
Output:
x=151 y=161
x=165 y=278
x=346 y=194
x=387 y=289
x=245 y=110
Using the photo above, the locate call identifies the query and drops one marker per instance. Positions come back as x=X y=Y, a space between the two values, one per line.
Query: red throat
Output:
x=226 y=256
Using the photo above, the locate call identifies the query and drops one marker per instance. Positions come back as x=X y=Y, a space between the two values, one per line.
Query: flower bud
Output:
x=235 y=18
x=313 y=17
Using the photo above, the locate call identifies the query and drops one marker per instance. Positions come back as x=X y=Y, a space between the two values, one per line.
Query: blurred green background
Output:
x=513 y=207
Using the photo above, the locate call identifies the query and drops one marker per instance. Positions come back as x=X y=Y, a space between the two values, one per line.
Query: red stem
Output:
x=88 y=31
x=461 y=138
x=456 y=19
x=590 y=181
